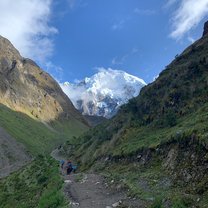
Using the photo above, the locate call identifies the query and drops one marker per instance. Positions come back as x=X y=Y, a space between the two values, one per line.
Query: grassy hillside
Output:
x=37 y=185
x=157 y=165
x=41 y=117
x=132 y=139
x=157 y=144
x=36 y=136
x=175 y=102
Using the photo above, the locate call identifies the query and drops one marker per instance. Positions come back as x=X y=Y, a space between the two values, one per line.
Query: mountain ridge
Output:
x=25 y=87
x=157 y=146
x=104 y=92
x=35 y=114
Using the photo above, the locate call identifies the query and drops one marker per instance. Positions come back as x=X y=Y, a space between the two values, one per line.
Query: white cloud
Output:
x=119 y=60
x=188 y=15
x=118 y=25
x=134 y=50
x=76 y=3
x=192 y=40
x=146 y=12
x=26 y=24
x=155 y=77
x=54 y=70
x=170 y=3
x=71 y=3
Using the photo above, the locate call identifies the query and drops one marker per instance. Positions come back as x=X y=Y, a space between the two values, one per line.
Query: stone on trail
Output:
x=74 y=204
x=67 y=181
x=116 y=204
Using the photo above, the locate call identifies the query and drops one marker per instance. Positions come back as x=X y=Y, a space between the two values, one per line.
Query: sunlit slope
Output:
x=35 y=135
x=34 y=110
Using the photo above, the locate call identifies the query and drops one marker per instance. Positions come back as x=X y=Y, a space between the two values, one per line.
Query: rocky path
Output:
x=92 y=191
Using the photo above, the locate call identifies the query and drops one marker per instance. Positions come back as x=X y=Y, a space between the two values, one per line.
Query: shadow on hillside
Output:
x=37 y=137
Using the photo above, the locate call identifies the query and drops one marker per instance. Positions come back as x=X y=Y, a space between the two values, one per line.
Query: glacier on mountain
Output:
x=104 y=92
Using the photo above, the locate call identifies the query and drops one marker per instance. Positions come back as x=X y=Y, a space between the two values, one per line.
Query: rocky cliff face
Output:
x=25 y=87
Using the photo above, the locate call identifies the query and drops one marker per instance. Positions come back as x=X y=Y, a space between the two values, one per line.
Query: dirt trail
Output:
x=12 y=154
x=92 y=191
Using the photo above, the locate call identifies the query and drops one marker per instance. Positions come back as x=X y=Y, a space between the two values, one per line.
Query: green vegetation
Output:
x=157 y=203
x=172 y=107
x=36 y=136
x=152 y=180
x=155 y=147
x=37 y=185
x=131 y=140
x=170 y=116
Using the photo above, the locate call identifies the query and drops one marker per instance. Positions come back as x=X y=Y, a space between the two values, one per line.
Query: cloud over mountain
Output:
x=103 y=93
x=26 y=23
x=189 y=13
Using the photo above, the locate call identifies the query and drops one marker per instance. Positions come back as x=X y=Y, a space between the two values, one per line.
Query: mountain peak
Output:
x=205 y=28
x=104 y=92
x=8 y=50
x=26 y=88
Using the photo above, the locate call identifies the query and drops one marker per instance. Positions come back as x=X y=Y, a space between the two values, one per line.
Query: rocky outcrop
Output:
x=25 y=87
x=205 y=28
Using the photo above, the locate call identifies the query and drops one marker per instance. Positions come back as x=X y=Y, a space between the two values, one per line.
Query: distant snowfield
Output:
x=104 y=92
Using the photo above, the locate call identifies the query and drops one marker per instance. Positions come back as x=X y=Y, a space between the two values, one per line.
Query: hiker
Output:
x=74 y=168
x=62 y=162
x=69 y=168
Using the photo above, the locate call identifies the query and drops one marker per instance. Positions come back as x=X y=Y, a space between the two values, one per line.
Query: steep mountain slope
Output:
x=94 y=120
x=26 y=88
x=34 y=111
x=157 y=144
x=103 y=93
x=13 y=155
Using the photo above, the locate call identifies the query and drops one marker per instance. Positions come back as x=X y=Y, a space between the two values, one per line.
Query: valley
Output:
x=156 y=145
x=135 y=145
x=35 y=117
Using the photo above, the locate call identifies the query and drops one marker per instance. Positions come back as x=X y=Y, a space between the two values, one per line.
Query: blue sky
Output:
x=72 y=38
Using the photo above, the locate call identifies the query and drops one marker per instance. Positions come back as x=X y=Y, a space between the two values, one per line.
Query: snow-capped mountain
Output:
x=103 y=93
